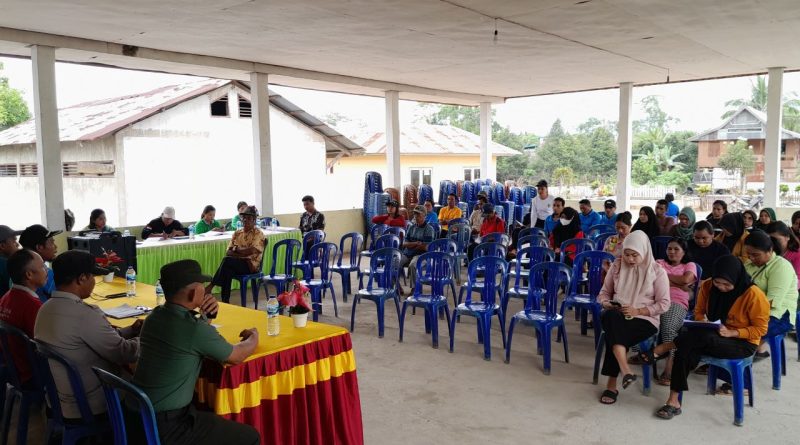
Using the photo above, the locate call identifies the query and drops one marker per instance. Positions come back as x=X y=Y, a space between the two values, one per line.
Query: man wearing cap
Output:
x=311 y=219
x=81 y=332
x=491 y=224
x=165 y=226
x=8 y=245
x=589 y=217
x=541 y=205
x=609 y=215
x=243 y=256
x=418 y=236
x=40 y=240
x=175 y=340
x=449 y=213
x=19 y=306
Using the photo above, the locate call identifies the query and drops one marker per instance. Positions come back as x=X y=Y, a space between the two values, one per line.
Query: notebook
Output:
x=125 y=311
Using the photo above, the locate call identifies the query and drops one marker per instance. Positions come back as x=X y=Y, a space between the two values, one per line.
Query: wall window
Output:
x=472 y=173
x=8 y=170
x=245 y=109
x=219 y=108
x=28 y=170
x=420 y=176
x=88 y=169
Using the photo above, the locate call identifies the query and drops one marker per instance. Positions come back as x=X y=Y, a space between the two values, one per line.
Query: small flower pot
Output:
x=300 y=320
x=108 y=278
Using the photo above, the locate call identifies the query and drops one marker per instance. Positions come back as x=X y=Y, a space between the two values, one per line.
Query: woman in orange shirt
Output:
x=731 y=297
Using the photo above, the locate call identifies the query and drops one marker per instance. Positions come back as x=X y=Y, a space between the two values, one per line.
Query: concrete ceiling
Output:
x=444 y=48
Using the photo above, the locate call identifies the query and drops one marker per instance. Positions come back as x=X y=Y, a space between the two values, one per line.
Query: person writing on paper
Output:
x=634 y=294
x=243 y=255
x=165 y=226
x=81 y=332
x=207 y=222
x=730 y=297
x=175 y=340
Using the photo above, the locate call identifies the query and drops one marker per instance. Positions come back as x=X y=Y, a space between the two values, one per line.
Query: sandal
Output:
x=727 y=390
x=635 y=360
x=664 y=380
x=609 y=395
x=627 y=380
x=667 y=412
x=649 y=357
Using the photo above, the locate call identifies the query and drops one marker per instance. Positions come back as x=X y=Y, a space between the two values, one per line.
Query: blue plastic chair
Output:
x=550 y=276
x=437 y=229
x=600 y=229
x=500 y=238
x=458 y=221
x=587 y=302
x=280 y=277
x=310 y=239
x=461 y=234
x=536 y=231
x=387 y=240
x=344 y=269
x=449 y=247
x=396 y=231
x=320 y=256
x=777 y=349
x=71 y=431
x=646 y=368
x=112 y=385
x=527 y=257
x=533 y=240
x=381 y=286
x=254 y=279
x=660 y=247
x=494 y=276
x=8 y=335
x=490 y=248
x=374 y=233
x=600 y=240
x=740 y=372
x=435 y=269
x=268 y=221
x=581 y=245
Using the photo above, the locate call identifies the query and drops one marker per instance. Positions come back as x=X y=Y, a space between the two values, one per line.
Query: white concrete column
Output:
x=48 y=143
x=487 y=169
x=262 y=149
x=393 y=141
x=624 y=146
x=772 y=147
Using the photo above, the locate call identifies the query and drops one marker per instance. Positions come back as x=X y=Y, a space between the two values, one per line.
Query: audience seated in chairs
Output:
x=703 y=249
x=588 y=217
x=97 y=222
x=665 y=222
x=733 y=235
x=647 y=223
x=416 y=241
x=311 y=218
x=552 y=221
x=541 y=205
x=730 y=297
x=207 y=222
x=718 y=209
x=393 y=218
x=634 y=294
x=243 y=255
x=491 y=224
x=609 y=215
x=613 y=244
x=430 y=215
x=448 y=213
x=8 y=245
x=683 y=229
x=240 y=207
x=39 y=239
x=569 y=227
x=476 y=217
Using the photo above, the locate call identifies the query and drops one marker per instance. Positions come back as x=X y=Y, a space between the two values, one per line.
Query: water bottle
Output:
x=160 y=298
x=191 y=231
x=130 y=282
x=273 y=224
x=238 y=224
x=273 y=323
x=126 y=233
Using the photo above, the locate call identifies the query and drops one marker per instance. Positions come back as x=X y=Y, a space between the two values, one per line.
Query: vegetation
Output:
x=739 y=157
x=13 y=108
x=758 y=100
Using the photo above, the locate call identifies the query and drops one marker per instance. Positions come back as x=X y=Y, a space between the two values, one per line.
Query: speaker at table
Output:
x=96 y=244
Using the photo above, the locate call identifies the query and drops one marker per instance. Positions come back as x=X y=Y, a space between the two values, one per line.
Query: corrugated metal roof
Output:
x=96 y=119
x=426 y=139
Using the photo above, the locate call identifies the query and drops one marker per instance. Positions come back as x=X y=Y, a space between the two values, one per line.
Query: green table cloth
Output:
x=206 y=250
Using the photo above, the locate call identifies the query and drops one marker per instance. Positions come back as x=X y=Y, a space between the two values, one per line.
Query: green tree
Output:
x=564 y=176
x=758 y=100
x=679 y=144
x=657 y=119
x=739 y=158
x=13 y=108
x=642 y=171
x=679 y=179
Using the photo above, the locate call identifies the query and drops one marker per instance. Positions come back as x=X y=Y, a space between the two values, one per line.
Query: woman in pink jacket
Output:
x=634 y=295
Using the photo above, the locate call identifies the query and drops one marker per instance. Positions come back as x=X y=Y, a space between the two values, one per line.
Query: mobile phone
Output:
x=615 y=303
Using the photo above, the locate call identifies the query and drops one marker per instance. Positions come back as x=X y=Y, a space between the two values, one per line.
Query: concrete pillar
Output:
x=624 y=147
x=262 y=149
x=487 y=169
x=772 y=147
x=393 y=140
x=48 y=143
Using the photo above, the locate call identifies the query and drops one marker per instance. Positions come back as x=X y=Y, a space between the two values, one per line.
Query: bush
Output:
x=784 y=188
x=678 y=179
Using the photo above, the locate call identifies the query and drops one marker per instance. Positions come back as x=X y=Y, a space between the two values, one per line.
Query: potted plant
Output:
x=109 y=260
x=295 y=299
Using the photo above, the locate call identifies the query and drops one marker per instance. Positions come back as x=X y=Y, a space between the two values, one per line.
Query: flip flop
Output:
x=609 y=394
x=667 y=412
x=627 y=380
x=664 y=380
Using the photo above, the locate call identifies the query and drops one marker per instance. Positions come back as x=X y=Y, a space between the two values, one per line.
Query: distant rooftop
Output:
x=426 y=139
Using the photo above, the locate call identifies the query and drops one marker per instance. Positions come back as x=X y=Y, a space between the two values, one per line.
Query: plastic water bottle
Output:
x=160 y=298
x=191 y=231
x=238 y=224
x=126 y=233
x=130 y=282
x=273 y=323
x=273 y=224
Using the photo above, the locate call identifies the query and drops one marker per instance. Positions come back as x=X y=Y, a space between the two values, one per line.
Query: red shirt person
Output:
x=393 y=217
x=491 y=224
x=20 y=305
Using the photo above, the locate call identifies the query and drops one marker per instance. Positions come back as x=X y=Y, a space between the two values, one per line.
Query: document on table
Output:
x=702 y=324
x=125 y=311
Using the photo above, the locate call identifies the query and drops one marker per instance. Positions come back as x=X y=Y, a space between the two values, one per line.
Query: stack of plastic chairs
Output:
x=515 y=194
x=425 y=193
x=376 y=205
x=509 y=210
x=393 y=193
x=468 y=192
x=529 y=193
x=410 y=199
x=498 y=194
x=464 y=209
x=372 y=184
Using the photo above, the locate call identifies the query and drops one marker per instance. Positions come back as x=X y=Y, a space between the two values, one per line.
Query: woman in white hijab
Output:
x=634 y=295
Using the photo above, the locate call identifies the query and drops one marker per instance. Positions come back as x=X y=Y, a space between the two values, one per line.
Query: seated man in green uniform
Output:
x=174 y=341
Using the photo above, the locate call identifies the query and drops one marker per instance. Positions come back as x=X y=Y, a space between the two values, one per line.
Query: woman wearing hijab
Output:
x=733 y=234
x=718 y=210
x=647 y=223
x=766 y=216
x=730 y=297
x=569 y=227
x=703 y=249
x=635 y=293
x=683 y=229
x=750 y=220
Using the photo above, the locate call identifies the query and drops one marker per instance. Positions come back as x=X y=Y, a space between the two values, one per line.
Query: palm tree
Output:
x=663 y=160
x=758 y=100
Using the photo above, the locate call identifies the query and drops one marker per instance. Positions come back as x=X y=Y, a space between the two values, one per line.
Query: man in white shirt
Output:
x=541 y=205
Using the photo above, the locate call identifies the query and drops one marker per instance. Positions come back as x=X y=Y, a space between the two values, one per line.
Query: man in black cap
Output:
x=8 y=245
x=418 y=236
x=81 y=332
x=609 y=215
x=174 y=341
x=40 y=240
x=541 y=205
x=243 y=256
